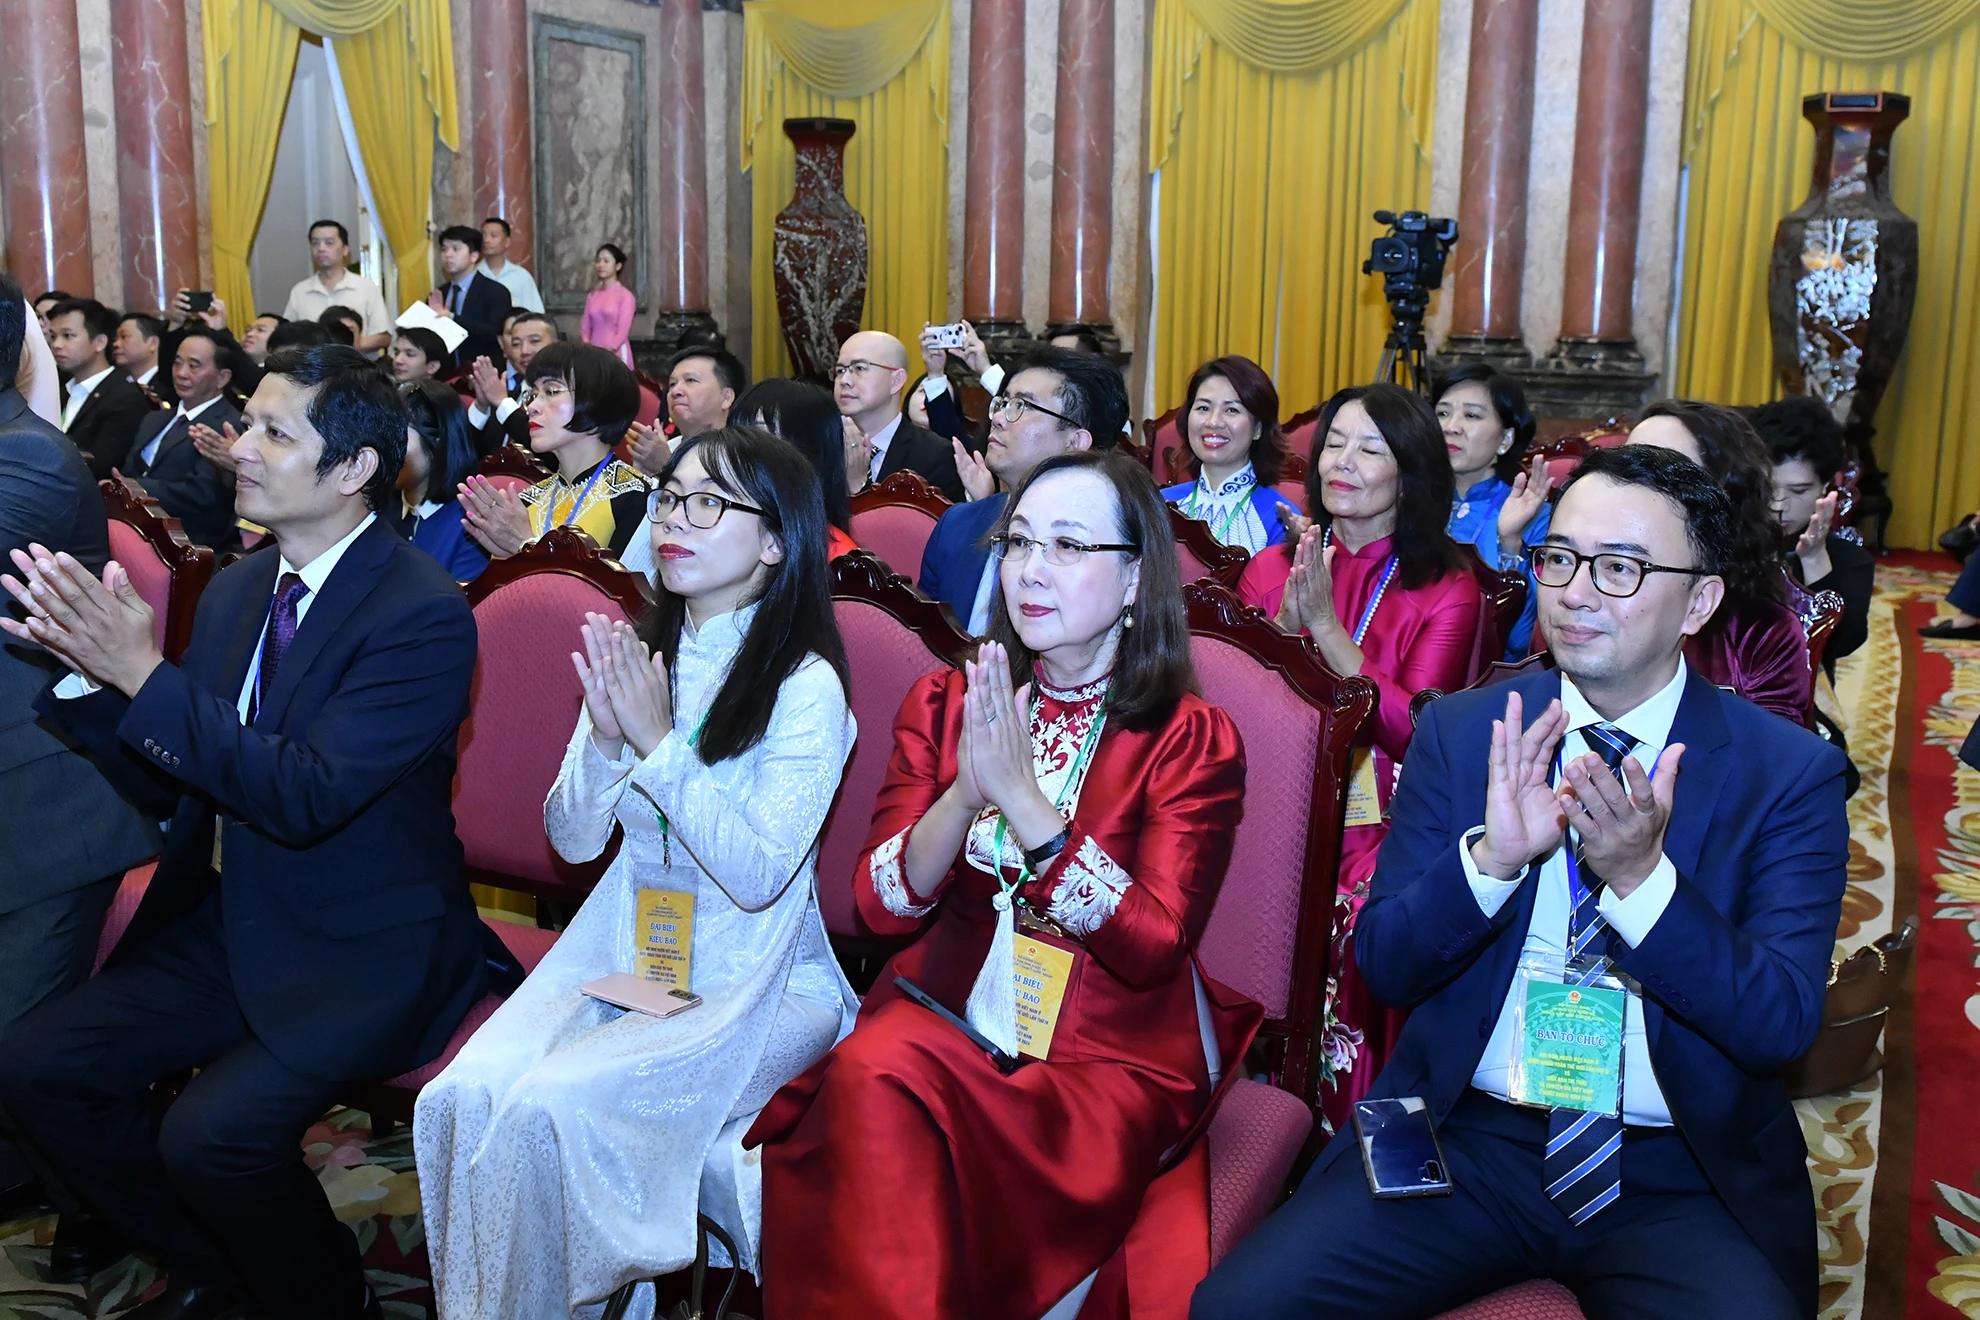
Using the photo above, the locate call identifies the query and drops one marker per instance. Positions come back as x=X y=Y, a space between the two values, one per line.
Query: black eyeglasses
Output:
x=1620 y=576
x=704 y=509
x=1061 y=551
x=1013 y=407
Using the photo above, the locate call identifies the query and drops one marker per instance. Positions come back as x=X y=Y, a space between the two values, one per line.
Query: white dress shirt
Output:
x=185 y=414
x=144 y=377
x=519 y=282
x=80 y=389
x=1632 y=918
x=881 y=439
x=935 y=385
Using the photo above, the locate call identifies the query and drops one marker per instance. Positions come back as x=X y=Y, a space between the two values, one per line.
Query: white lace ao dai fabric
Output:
x=567 y=1148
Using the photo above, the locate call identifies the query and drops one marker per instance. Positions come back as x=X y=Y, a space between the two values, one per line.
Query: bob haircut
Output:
x=804 y=415
x=1508 y=400
x=604 y=391
x=1260 y=398
x=1152 y=667
x=1736 y=458
x=1424 y=483
x=794 y=620
x=437 y=414
x=354 y=407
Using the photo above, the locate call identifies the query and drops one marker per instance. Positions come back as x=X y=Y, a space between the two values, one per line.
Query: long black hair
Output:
x=1424 y=484
x=1508 y=401
x=1152 y=664
x=1737 y=459
x=805 y=415
x=794 y=618
x=442 y=423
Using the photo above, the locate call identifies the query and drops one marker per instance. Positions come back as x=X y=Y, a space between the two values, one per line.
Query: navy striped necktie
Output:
x=1582 y=1168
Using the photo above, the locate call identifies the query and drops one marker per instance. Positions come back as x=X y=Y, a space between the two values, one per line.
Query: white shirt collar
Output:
x=1649 y=723
x=343 y=279
x=884 y=437
x=144 y=377
x=192 y=414
x=489 y=270
x=1240 y=481
x=317 y=572
x=80 y=387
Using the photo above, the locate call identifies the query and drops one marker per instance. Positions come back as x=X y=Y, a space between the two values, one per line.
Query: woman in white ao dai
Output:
x=568 y=1148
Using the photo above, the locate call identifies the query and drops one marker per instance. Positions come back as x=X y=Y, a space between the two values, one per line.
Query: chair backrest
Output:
x=513 y=461
x=528 y=609
x=1268 y=936
x=1166 y=447
x=894 y=520
x=1292 y=492
x=1199 y=554
x=1505 y=601
x=1819 y=612
x=650 y=406
x=1300 y=432
x=894 y=635
x=166 y=568
x=1848 y=487
x=1499 y=671
x=509 y=481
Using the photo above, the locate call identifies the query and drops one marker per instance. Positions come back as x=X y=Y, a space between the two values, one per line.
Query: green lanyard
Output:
x=1073 y=777
x=666 y=830
x=1230 y=519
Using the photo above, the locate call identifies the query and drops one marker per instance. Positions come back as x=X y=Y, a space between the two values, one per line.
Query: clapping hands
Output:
x=216 y=447
x=625 y=688
x=978 y=481
x=1813 y=546
x=494 y=516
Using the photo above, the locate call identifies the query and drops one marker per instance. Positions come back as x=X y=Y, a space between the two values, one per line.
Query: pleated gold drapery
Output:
x=1750 y=152
x=396 y=59
x=884 y=64
x=1278 y=127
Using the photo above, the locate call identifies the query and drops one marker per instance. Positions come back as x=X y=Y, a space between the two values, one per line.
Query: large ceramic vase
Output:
x=1845 y=273
x=820 y=250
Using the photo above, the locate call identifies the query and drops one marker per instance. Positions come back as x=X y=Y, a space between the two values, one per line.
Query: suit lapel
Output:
x=348 y=584
x=1701 y=726
x=177 y=431
x=260 y=590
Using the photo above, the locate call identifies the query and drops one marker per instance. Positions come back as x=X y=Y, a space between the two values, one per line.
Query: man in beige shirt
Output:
x=333 y=283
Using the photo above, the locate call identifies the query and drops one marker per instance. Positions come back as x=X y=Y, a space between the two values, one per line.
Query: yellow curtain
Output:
x=1851 y=30
x=1268 y=182
x=884 y=64
x=250 y=62
x=397 y=62
x=1749 y=153
x=399 y=82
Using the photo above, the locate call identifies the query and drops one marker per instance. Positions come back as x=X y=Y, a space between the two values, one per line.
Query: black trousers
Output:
x=216 y=1184
x=1666 y=1248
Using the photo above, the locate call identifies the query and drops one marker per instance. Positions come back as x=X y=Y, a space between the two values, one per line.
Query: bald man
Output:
x=867 y=383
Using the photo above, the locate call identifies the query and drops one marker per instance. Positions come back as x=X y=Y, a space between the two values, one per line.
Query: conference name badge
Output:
x=1364 y=806
x=1569 y=1046
x=1042 y=971
x=663 y=937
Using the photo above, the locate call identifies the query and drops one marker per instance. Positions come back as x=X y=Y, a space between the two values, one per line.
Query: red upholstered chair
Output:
x=167 y=570
x=1505 y=599
x=650 y=407
x=1268 y=934
x=1819 y=612
x=1292 y=491
x=1201 y=555
x=1166 y=447
x=123 y=906
x=525 y=703
x=895 y=518
x=513 y=461
x=508 y=481
x=894 y=635
x=1301 y=431
x=1536 y=1299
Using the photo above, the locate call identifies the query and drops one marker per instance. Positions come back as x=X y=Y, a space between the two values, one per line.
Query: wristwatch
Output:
x=1035 y=858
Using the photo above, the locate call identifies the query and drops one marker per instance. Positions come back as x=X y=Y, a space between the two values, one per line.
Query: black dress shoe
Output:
x=84 y=1246
x=1947 y=630
x=210 y=1301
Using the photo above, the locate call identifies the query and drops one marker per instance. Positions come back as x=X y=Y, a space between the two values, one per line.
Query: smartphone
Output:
x=948 y=336
x=1006 y=1063
x=640 y=996
x=1399 y=1150
x=198 y=300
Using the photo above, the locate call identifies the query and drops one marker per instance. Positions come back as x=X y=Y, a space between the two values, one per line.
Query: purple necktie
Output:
x=276 y=637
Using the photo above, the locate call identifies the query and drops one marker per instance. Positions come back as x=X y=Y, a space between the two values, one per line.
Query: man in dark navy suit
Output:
x=476 y=302
x=1694 y=839
x=308 y=924
x=1058 y=400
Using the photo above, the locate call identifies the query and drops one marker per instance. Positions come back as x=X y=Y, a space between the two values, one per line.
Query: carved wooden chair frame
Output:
x=190 y=566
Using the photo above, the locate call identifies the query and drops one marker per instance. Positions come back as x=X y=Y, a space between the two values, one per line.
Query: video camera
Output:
x=1410 y=259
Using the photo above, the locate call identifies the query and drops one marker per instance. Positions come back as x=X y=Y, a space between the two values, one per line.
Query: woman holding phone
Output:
x=713 y=735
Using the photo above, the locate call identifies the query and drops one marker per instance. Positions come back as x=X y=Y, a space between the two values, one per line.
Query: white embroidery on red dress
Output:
x=890 y=881
x=1090 y=888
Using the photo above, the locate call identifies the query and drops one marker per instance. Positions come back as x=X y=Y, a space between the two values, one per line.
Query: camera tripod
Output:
x=1402 y=356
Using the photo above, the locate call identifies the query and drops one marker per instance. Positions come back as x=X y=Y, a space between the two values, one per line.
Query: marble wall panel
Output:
x=589 y=86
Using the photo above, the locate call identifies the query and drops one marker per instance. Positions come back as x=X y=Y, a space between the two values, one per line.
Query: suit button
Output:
x=150 y=746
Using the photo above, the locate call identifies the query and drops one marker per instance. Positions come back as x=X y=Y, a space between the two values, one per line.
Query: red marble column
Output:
x=681 y=282
x=1606 y=195
x=41 y=148
x=993 y=210
x=1083 y=166
x=1498 y=139
x=157 y=197
x=504 y=174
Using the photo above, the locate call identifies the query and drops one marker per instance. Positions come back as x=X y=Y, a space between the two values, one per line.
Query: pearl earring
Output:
x=1127 y=617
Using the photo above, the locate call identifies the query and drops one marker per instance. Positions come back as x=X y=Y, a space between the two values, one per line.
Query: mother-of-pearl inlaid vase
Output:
x=1844 y=274
x=820 y=250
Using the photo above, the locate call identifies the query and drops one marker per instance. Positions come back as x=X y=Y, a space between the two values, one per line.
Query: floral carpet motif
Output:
x=371 y=1185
